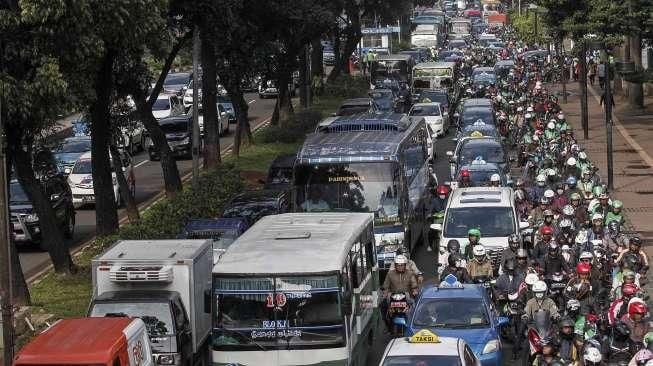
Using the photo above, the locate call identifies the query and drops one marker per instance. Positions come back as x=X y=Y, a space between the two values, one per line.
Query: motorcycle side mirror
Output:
x=501 y=321
x=436 y=227
x=524 y=225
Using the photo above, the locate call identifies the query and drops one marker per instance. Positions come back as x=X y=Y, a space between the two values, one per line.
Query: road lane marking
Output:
x=252 y=101
x=141 y=163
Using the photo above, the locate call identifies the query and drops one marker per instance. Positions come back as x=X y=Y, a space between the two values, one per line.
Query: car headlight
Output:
x=166 y=360
x=491 y=346
x=32 y=218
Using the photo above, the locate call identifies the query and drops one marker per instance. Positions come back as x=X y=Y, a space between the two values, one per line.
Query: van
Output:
x=489 y=209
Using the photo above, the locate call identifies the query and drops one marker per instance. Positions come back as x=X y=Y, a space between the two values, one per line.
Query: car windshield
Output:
x=162 y=104
x=354 y=187
x=425 y=110
x=81 y=128
x=156 y=315
x=177 y=127
x=177 y=79
x=495 y=221
x=434 y=97
x=476 y=115
x=17 y=194
x=491 y=153
x=451 y=313
x=286 y=312
x=75 y=146
x=222 y=99
x=251 y=210
x=82 y=167
x=421 y=361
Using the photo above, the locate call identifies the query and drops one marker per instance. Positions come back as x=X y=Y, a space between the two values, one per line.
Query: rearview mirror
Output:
x=436 y=227
x=54 y=197
x=400 y=321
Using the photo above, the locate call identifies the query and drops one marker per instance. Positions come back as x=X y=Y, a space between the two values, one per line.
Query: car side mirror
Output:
x=334 y=114
x=436 y=227
x=223 y=114
x=400 y=321
x=207 y=301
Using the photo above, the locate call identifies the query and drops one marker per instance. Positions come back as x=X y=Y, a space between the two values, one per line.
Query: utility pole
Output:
x=196 y=112
x=607 y=103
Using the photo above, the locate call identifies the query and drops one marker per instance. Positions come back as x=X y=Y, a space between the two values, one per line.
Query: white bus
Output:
x=430 y=75
x=297 y=289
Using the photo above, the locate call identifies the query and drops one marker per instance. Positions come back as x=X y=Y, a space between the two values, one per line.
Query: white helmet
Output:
x=495 y=178
x=520 y=109
x=401 y=259
x=565 y=248
x=581 y=237
x=586 y=255
x=531 y=279
x=549 y=194
x=529 y=109
x=539 y=286
x=568 y=210
x=571 y=161
x=592 y=354
x=540 y=178
x=528 y=115
x=551 y=172
x=582 y=155
x=561 y=115
x=597 y=216
x=479 y=250
x=551 y=126
x=564 y=223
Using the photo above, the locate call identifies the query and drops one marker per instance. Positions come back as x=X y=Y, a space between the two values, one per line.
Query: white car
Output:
x=80 y=180
x=167 y=105
x=433 y=115
x=427 y=348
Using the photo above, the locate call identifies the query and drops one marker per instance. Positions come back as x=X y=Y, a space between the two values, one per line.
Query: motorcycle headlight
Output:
x=32 y=217
x=491 y=346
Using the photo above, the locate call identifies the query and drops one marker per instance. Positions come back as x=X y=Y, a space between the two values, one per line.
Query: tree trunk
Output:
x=243 y=135
x=125 y=192
x=209 y=103
x=317 y=61
x=106 y=213
x=51 y=235
x=636 y=90
x=353 y=33
x=19 y=289
x=617 y=88
x=283 y=108
x=582 y=80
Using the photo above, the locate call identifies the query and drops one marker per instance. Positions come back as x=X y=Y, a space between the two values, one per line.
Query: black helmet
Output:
x=548 y=341
x=453 y=246
x=402 y=250
x=635 y=240
x=613 y=227
x=453 y=260
x=509 y=265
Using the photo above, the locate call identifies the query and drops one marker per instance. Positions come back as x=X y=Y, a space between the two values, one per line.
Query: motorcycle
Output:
x=397 y=310
x=557 y=286
x=513 y=309
x=540 y=328
x=619 y=344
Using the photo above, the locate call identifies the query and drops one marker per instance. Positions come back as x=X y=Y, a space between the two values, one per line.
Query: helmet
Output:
x=549 y=193
x=474 y=232
x=648 y=339
x=566 y=322
x=540 y=179
x=582 y=155
x=597 y=190
x=571 y=162
x=400 y=259
x=544 y=200
x=636 y=241
x=520 y=109
x=522 y=253
x=514 y=238
x=509 y=265
x=629 y=289
x=637 y=308
x=643 y=356
x=603 y=196
x=528 y=115
x=495 y=178
x=479 y=250
x=546 y=230
x=561 y=115
x=540 y=286
x=464 y=173
x=613 y=226
x=531 y=279
x=551 y=126
x=627 y=273
x=583 y=268
x=592 y=355
x=453 y=246
x=548 y=213
x=581 y=237
x=574 y=196
x=551 y=172
x=586 y=255
x=568 y=210
x=573 y=305
x=453 y=260
x=617 y=204
x=529 y=109
x=565 y=224
x=597 y=216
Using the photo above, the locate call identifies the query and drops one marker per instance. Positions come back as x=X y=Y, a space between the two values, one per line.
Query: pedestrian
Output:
x=602 y=101
x=600 y=70
x=591 y=73
x=363 y=60
x=576 y=69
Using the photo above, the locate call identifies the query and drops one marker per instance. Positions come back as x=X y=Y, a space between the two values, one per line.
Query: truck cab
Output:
x=116 y=341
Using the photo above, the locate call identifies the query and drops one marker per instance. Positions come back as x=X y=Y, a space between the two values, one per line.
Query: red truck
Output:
x=497 y=19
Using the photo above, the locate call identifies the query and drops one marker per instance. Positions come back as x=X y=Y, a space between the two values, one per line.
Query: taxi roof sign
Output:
x=424 y=336
x=476 y=134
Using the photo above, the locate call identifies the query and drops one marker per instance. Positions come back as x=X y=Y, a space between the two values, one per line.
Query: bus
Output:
x=395 y=66
x=370 y=163
x=460 y=26
x=432 y=75
x=297 y=289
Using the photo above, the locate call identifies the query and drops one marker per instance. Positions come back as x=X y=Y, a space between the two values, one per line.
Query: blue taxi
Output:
x=460 y=311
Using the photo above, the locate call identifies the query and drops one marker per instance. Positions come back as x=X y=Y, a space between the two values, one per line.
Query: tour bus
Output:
x=433 y=75
x=397 y=66
x=297 y=289
x=369 y=163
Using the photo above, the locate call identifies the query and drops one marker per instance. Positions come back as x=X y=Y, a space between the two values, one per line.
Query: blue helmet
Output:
x=571 y=181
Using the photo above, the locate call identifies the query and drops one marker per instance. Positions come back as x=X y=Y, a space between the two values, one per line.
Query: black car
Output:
x=436 y=96
x=175 y=82
x=471 y=115
x=280 y=172
x=24 y=220
x=385 y=99
x=179 y=133
x=253 y=205
x=355 y=106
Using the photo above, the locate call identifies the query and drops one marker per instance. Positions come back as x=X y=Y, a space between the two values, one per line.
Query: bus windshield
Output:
x=392 y=67
x=277 y=312
x=353 y=187
x=432 y=72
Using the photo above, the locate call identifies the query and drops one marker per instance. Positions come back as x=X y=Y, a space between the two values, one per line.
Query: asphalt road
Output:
x=149 y=182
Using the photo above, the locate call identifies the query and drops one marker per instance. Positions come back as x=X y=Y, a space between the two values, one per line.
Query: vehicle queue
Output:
x=530 y=249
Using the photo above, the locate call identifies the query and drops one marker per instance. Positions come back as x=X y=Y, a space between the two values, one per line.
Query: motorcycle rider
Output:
x=480 y=265
x=549 y=355
x=509 y=281
x=580 y=211
x=635 y=322
x=521 y=260
x=537 y=213
x=560 y=200
x=455 y=267
x=495 y=180
x=514 y=242
x=619 y=307
x=570 y=185
x=542 y=246
x=465 y=179
x=568 y=349
x=540 y=302
x=566 y=234
x=410 y=266
x=598 y=231
x=453 y=248
x=615 y=215
x=553 y=262
x=537 y=192
x=645 y=355
x=474 y=237
x=616 y=241
x=635 y=256
x=439 y=202
x=400 y=278
x=580 y=288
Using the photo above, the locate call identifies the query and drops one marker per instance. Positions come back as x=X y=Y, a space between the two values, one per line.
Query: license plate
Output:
x=399 y=305
x=88 y=199
x=558 y=285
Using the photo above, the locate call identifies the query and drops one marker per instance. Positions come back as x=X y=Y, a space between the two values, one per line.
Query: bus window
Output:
x=355 y=268
x=369 y=248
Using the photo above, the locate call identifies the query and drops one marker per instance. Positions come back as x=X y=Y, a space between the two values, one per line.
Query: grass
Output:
x=259 y=157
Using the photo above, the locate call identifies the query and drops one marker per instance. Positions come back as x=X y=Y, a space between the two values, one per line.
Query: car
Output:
x=167 y=105
x=179 y=132
x=482 y=70
x=188 y=96
x=452 y=309
x=268 y=89
x=428 y=349
x=480 y=173
x=484 y=80
x=471 y=115
x=222 y=231
x=226 y=105
x=478 y=129
x=132 y=138
x=280 y=172
x=385 y=99
x=472 y=148
x=176 y=82
x=450 y=55
x=436 y=95
x=70 y=149
x=80 y=180
x=498 y=222
x=25 y=225
x=434 y=117
x=457 y=44
x=255 y=204
x=357 y=105
x=503 y=67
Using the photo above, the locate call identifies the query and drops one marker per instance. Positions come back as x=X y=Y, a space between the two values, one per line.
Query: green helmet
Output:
x=575 y=196
x=474 y=232
x=648 y=338
x=597 y=190
x=617 y=204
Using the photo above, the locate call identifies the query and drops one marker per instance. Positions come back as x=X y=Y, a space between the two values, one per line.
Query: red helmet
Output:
x=629 y=289
x=583 y=268
x=637 y=308
x=442 y=190
x=464 y=173
x=546 y=230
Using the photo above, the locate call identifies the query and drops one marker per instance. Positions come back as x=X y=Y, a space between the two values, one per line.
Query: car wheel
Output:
x=69 y=230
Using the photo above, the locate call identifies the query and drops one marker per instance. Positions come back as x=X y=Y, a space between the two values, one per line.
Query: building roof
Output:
x=294 y=243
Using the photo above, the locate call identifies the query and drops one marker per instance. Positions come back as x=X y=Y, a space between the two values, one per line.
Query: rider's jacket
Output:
x=400 y=281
